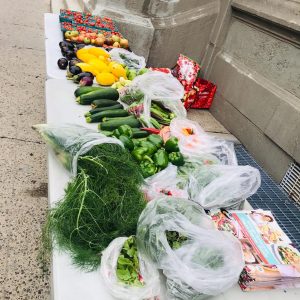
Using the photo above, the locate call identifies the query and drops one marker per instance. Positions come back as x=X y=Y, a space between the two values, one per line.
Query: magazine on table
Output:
x=270 y=257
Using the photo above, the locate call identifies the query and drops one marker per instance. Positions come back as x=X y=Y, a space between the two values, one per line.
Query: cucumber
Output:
x=138 y=134
x=103 y=103
x=97 y=110
x=86 y=89
x=117 y=122
x=88 y=98
x=107 y=113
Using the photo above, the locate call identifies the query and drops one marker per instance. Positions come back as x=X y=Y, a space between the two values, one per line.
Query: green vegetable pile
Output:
x=150 y=151
x=101 y=203
x=128 y=266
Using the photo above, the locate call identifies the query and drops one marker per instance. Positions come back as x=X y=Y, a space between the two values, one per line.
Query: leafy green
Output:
x=128 y=266
x=175 y=239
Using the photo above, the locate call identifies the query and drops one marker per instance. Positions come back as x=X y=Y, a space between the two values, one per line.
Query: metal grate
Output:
x=291 y=182
x=271 y=196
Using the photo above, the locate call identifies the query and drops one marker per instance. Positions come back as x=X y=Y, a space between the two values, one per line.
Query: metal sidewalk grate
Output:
x=291 y=182
x=271 y=196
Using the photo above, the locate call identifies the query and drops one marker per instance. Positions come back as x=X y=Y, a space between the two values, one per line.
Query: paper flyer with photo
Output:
x=271 y=259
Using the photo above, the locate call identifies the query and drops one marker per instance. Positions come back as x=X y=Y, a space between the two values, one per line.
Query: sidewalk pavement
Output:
x=23 y=171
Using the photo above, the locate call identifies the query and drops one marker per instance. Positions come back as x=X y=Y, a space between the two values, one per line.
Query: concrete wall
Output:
x=255 y=60
x=159 y=29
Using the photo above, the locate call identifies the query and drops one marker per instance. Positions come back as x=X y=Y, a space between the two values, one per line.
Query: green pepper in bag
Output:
x=160 y=158
x=176 y=158
x=123 y=130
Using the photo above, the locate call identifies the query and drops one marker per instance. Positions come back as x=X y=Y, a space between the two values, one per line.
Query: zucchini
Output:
x=103 y=103
x=88 y=98
x=86 y=89
x=107 y=113
x=138 y=134
x=114 y=123
x=97 y=110
x=107 y=133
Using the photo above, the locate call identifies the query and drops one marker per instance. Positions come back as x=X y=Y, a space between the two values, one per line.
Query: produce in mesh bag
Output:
x=219 y=186
x=69 y=141
x=165 y=182
x=131 y=60
x=154 y=95
x=102 y=202
x=193 y=140
x=180 y=239
x=127 y=274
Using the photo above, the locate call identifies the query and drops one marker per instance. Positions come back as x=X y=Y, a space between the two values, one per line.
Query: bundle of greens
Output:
x=126 y=274
x=102 y=202
x=181 y=240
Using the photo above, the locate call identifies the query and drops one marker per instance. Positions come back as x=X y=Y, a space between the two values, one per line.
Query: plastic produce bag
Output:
x=122 y=290
x=202 y=260
x=154 y=86
x=194 y=140
x=219 y=186
x=131 y=60
x=69 y=141
x=164 y=182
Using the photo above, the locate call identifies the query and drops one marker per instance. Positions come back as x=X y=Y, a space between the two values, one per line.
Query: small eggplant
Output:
x=64 y=50
x=79 y=46
x=75 y=70
x=73 y=62
x=86 y=81
x=70 y=55
x=78 y=77
x=62 y=63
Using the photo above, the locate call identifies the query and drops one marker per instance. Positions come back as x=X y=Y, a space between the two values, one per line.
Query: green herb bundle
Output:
x=101 y=203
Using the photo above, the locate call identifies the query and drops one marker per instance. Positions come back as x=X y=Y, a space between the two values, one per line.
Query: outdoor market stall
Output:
x=69 y=281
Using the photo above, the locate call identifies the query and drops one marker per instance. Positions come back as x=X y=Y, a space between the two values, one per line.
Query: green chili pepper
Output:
x=156 y=140
x=148 y=168
x=140 y=153
x=176 y=158
x=160 y=158
x=128 y=143
x=151 y=147
x=171 y=144
x=123 y=130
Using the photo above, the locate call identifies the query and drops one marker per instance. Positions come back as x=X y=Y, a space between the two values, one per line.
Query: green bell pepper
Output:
x=128 y=143
x=160 y=158
x=176 y=158
x=156 y=140
x=171 y=144
x=151 y=147
x=148 y=168
x=140 y=153
x=123 y=130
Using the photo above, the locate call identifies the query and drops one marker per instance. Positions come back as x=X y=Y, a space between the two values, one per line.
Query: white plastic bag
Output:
x=208 y=261
x=155 y=86
x=164 y=182
x=193 y=140
x=219 y=186
x=69 y=141
x=121 y=290
x=127 y=58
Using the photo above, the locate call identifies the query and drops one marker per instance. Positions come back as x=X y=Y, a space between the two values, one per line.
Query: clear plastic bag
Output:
x=164 y=182
x=69 y=141
x=208 y=261
x=219 y=186
x=127 y=58
x=193 y=140
x=121 y=290
x=154 y=86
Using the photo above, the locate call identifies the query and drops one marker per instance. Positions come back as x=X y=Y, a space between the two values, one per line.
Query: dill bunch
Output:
x=103 y=202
